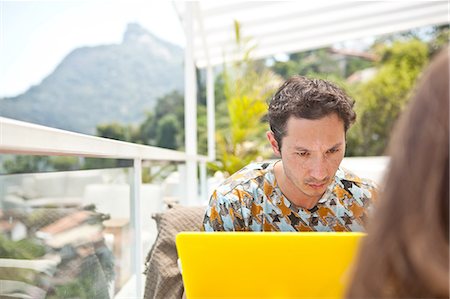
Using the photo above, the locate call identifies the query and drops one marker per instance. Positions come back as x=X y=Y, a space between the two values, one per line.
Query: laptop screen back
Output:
x=267 y=264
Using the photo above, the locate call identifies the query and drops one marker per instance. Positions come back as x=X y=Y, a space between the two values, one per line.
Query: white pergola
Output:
x=280 y=27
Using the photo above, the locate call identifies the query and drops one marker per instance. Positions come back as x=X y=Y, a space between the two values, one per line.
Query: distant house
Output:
x=73 y=229
x=12 y=228
x=362 y=75
x=343 y=56
x=64 y=224
x=350 y=53
x=78 y=240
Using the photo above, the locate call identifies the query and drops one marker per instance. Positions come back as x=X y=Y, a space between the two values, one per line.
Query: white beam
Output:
x=190 y=107
x=210 y=101
x=211 y=114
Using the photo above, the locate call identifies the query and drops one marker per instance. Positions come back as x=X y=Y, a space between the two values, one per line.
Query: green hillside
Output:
x=101 y=84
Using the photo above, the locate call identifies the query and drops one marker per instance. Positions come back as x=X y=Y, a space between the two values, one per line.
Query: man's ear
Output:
x=273 y=143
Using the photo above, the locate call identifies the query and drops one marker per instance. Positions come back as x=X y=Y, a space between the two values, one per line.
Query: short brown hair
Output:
x=308 y=98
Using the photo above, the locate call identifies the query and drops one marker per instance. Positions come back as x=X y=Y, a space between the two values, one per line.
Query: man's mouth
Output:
x=317 y=185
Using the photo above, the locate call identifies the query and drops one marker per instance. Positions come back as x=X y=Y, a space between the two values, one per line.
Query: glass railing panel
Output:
x=65 y=234
x=68 y=234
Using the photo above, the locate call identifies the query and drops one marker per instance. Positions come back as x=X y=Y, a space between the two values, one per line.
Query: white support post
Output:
x=135 y=209
x=203 y=184
x=210 y=104
x=182 y=199
x=210 y=101
x=190 y=108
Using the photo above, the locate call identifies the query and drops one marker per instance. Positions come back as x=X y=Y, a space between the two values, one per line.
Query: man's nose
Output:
x=318 y=169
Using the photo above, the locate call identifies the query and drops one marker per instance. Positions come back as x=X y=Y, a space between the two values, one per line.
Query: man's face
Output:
x=311 y=152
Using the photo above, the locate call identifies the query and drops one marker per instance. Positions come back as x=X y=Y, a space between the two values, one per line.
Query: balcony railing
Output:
x=21 y=138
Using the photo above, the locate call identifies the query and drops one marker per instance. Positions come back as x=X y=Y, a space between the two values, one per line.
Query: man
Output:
x=306 y=190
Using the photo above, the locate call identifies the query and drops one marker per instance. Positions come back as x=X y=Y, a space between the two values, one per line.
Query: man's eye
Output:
x=302 y=154
x=333 y=150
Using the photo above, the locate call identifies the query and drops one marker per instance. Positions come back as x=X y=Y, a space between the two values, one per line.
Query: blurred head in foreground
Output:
x=406 y=252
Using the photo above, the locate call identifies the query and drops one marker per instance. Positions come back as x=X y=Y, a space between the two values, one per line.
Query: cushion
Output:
x=163 y=278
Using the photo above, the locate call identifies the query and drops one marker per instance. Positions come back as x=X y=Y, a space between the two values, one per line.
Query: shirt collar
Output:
x=327 y=195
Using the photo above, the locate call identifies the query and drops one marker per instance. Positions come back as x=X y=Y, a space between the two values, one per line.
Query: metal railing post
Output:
x=203 y=183
x=135 y=209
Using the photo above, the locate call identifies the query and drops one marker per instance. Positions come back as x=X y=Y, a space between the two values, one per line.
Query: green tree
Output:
x=169 y=107
x=380 y=100
x=167 y=129
x=118 y=131
x=307 y=63
x=26 y=164
x=440 y=37
x=64 y=163
x=355 y=64
x=28 y=249
x=320 y=62
x=247 y=84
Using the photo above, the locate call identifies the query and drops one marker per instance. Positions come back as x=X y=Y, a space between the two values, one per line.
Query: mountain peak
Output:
x=131 y=76
x=137 y=36
x=135 y=33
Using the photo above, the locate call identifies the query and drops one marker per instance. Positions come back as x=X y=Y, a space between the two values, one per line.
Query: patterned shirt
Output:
x=250 y=200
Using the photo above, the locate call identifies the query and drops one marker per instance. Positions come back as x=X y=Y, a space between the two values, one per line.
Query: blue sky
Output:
x=36 y=35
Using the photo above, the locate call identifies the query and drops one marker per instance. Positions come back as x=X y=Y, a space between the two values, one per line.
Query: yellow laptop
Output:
x=266 y=264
